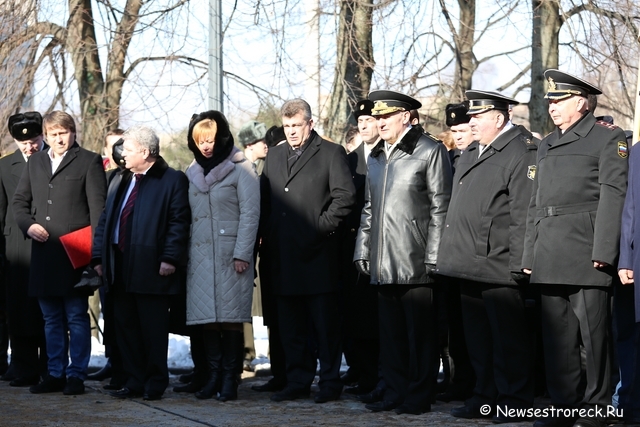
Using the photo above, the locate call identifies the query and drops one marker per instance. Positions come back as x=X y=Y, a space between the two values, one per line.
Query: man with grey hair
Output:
x=307 y=193
x=139 y=249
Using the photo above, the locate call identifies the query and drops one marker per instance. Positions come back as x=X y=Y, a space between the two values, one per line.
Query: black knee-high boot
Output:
x=200 y=375
x=232 y=357
x=213 y=351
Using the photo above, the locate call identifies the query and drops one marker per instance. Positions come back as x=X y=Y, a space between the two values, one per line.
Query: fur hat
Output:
x=23 y=126
x=251 y=132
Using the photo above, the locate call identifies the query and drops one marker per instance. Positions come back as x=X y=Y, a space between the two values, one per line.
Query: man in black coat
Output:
x=572 y=245
x=406 y=198
x=26 y=327
x=139 y=249
x=61 y=190
x=482 y=247
x=362 y=344
x=307 y=193
x=459 y=376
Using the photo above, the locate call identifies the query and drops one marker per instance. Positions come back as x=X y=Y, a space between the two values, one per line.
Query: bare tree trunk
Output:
x=82 y=44
x=546 y=28
x=465 y=63
x=354 y=65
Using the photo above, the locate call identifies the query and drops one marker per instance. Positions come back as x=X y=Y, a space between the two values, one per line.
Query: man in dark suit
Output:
x=406 y=198
x=26 y=327
x=139 y=249
x=627 y=297
x=362 y=344
x=481 y=249
x=307 y=193
x=63 y=176
x=572 y=246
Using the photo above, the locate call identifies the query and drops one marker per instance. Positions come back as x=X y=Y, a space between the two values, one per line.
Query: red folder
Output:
x=78 y=246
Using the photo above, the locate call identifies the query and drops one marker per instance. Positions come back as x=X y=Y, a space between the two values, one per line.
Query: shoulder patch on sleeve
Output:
x=607 y=125
x=531 y=172
x=623 y=150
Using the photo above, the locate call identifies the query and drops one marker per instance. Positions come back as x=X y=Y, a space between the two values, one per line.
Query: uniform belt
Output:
x=566 y=210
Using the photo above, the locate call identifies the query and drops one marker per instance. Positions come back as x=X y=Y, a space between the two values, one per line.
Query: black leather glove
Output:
x=520 y=278
x=431 y=269
x=362 y=265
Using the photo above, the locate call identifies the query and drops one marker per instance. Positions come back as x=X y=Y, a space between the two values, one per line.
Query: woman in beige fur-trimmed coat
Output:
x=224 y=195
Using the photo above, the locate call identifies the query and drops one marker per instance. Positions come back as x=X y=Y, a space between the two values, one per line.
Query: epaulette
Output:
x=5 y=155
x=530 y=143
x=432 y=137
x=607 y=125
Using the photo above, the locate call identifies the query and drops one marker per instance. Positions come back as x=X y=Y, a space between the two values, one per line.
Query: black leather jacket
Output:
x=406 y=202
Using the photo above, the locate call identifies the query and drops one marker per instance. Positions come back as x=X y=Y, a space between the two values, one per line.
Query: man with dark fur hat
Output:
x=26 y=328
x=362 y=344
x=406 y=199
x=481 y=249
x=572 y=246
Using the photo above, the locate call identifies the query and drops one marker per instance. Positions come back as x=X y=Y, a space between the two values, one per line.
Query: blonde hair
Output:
x=204 y=128
x=447 y=139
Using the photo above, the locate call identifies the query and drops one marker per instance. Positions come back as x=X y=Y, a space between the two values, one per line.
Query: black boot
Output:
x=199 y=377
x=232 y=358
x=213 y=351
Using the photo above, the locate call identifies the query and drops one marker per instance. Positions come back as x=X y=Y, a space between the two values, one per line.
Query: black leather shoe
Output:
x=112 y=386
x=49 y=385
x=25 y=381
x=186 y=378
x=382 y=406
x=448 y=396
x=102 y=374
x=74 y=387
x=349 y=378
x=124 y=393
x=374 y=396
x=589 y=422
x=290 y=394
x=10 y=374
x=468 y=413
x=326 y=395
x=192 y=387
x=554 y=422
x=270 y=385
x=412 y=410
x=152 y=396
x=357 y=390
x=503 y=419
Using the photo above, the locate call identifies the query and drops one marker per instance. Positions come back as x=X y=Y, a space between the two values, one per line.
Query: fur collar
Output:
x=195 y=172
x=407 y=144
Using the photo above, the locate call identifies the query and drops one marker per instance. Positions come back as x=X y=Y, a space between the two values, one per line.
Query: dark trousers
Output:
x=499 y=344
x=628 y=345
x=276 y=355
x=142 y=333
x=574 y=315
x=408 y=343
x=28 y=355
x=296 y=313
x=462 y=378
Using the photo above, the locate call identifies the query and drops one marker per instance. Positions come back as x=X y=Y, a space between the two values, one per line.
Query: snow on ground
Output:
x=179 y=357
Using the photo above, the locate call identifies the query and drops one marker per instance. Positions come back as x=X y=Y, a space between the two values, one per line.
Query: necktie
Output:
x=126 y=213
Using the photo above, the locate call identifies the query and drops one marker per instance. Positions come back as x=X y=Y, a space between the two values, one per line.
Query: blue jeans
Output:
x=62 y=314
